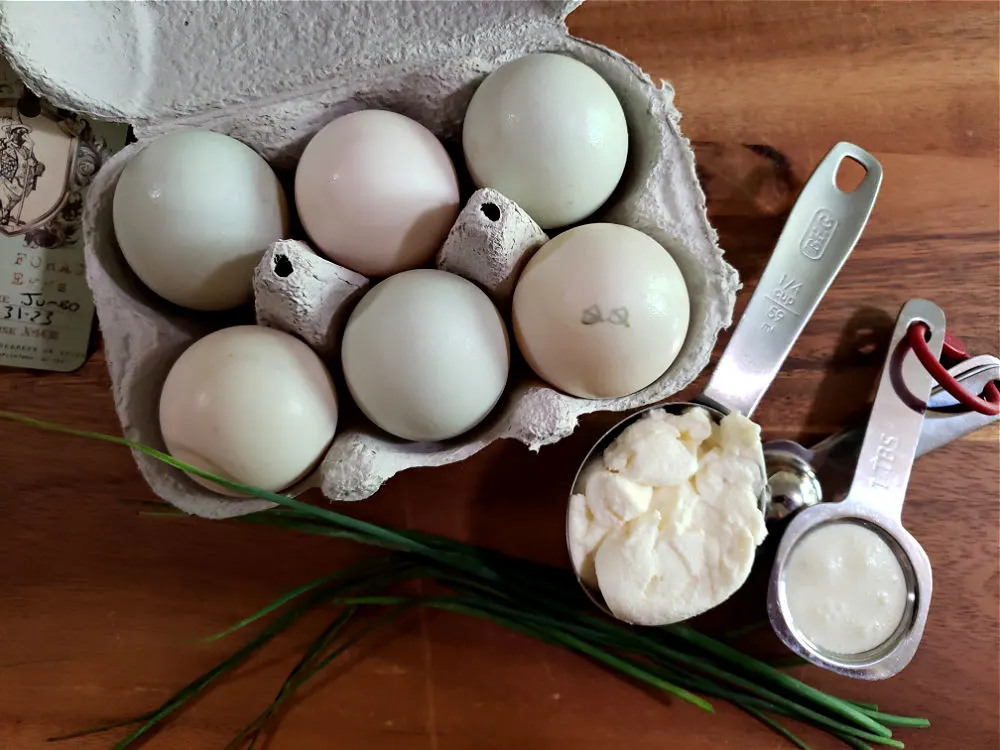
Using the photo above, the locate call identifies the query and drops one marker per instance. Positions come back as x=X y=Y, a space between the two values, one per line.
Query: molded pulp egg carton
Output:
x=272 y=74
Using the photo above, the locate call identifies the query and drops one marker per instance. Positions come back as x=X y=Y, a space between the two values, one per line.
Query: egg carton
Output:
x=271 y=75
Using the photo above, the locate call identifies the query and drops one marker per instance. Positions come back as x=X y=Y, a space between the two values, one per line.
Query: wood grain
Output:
x=100 y=609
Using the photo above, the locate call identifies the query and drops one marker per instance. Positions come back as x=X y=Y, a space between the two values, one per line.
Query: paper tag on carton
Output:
x=48 y=157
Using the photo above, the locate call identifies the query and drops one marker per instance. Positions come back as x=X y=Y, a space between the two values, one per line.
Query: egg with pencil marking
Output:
x=601 y=311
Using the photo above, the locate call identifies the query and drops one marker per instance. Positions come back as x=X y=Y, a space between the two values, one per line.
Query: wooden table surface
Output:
x=100 y=609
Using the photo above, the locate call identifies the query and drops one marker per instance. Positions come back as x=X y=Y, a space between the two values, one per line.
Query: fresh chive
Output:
x=117 y=724
x=899 y=721
x=325 y=661
x=777 y=726
x=253 y=729
x=280 y=602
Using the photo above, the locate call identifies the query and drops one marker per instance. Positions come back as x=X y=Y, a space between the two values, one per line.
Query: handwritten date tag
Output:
x=48 y=158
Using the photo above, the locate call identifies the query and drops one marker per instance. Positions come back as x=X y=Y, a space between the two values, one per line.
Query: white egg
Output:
x=425 y=354
x=250 y=404
x=601 y=311
x=376 y=192
x=193 y=213
x=549 y=133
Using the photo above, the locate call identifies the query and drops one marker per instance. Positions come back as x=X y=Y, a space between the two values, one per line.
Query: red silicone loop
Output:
x=953 y=349
x=916 y=338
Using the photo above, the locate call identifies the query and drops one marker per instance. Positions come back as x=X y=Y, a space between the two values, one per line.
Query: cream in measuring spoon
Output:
x=845 y=589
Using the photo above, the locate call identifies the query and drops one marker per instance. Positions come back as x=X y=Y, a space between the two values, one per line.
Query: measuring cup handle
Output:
x=897 y=417
x=821 y=231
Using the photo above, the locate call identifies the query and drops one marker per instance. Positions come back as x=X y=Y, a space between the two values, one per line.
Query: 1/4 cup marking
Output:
x=782 y=299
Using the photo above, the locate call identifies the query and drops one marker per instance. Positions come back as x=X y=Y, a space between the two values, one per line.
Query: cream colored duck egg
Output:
x=601 y=311
x=250 y=404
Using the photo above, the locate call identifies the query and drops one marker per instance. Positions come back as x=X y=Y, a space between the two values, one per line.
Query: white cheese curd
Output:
x=652 y=452
x=607 y=501
x=667 y=525
x=845 y=589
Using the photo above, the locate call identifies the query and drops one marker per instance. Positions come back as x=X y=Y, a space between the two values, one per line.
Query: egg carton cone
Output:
x=272 y=74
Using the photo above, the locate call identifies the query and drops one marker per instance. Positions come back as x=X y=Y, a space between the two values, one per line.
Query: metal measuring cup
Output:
x=821 y=231
x=800 y=477
x=875 y=500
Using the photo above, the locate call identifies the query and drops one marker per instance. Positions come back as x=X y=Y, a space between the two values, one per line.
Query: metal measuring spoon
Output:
x=821 y=231
x=875 y=501
x=800 y=477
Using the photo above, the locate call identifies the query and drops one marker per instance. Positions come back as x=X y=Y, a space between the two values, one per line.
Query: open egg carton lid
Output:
x=151 y=62
x=272 y=74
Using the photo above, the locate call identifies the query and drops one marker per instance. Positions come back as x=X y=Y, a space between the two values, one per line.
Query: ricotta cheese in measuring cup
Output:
x=666 y=523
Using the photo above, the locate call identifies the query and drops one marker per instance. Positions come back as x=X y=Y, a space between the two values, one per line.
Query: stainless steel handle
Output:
x=890 y=443
x=974 y=373
x=942 y=428
x=822 y=230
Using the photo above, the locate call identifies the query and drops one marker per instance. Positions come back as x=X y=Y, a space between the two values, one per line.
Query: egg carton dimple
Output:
x=292 y=68
x=489 y=244
x=297 y=291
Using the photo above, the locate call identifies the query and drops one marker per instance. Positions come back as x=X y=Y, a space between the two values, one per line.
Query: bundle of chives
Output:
x=522 y=596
